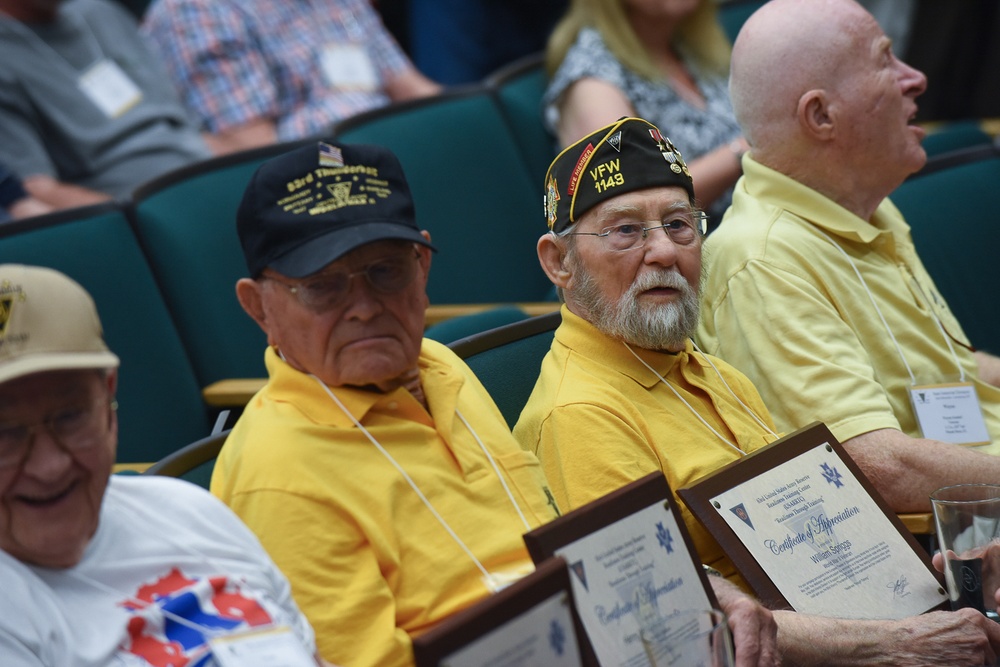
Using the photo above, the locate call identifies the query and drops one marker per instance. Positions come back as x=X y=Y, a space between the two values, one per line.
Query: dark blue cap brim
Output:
x=316 y=253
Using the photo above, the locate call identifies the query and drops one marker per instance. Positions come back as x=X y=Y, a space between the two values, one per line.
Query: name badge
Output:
x=270 y=647
x=109 y=88
x=950 y=412
x=348 y=67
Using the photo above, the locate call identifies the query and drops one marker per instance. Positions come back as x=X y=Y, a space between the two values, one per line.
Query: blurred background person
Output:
x=261 y=71
x=86 y=112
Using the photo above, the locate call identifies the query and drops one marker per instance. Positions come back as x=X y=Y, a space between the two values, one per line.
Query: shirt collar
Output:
x=779 y=190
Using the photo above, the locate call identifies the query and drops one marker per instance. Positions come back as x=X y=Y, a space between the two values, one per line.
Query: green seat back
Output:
x=518 y=89
x=507 y=360
x=955 y=224
x=186 y=222
x=955 y=136
x=734 y=13
x=471 y=191
x=160 y=406
x=463 y=326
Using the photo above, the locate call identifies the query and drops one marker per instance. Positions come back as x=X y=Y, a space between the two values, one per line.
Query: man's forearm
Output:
x=989 y=368
x=61 y=195
x=938 y=638
x=906 y=470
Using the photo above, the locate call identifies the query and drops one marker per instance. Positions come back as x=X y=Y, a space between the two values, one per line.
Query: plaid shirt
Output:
x=235 y=61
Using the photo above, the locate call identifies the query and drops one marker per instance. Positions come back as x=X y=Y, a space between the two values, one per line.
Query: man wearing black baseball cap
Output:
x=623 y=392
x=374 y=467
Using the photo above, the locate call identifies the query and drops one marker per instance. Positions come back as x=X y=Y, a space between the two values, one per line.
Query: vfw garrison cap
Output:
x=308 y=207
x=630 y=154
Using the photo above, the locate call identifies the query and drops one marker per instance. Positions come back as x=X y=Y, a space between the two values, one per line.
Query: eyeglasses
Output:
x=388 y=275
x=74 y=428
x=683 y=230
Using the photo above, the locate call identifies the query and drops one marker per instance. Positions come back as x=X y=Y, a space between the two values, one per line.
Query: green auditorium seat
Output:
x=518 y=89
x=462 y=326
x=956 y=135
x=734 y=13
x=186 y=222
x=160 y=406
x=951 y=207
x=507 y=360
x=472 y=192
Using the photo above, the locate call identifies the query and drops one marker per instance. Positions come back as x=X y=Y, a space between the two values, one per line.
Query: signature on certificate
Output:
x=899 y=587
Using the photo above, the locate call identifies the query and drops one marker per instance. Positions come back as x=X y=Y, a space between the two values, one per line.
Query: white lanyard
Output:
x=885 y=324
x=695 y=412
x=413 y=485
x=43 y=46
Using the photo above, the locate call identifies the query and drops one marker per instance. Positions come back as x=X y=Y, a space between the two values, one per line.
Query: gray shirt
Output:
x=49 y=126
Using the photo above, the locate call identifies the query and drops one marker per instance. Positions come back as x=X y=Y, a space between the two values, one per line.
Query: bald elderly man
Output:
x=814 y=288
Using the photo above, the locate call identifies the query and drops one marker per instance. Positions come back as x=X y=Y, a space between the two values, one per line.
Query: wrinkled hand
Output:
x=753 y=627
x=958 y=638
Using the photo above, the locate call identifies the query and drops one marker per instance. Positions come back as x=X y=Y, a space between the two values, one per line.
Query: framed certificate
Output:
x=808 y=531
x=528 y=624
x=632 y=567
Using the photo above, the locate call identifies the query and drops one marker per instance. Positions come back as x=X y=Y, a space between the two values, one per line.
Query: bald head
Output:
x=822 y=98
x=785 y=49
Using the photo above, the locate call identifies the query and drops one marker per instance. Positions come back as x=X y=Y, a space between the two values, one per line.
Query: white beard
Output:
x=656 y=327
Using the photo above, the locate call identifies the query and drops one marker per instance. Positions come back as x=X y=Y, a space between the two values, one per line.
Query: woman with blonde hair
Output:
x=663 y=60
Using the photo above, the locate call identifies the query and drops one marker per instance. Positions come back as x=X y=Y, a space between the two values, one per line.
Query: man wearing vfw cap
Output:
x=374 y=467
x=623 y=393
x=97 y=569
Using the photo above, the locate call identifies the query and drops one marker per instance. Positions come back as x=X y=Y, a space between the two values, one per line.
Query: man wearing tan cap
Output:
x=623 y=392
x=374 y=467
x=98 y=569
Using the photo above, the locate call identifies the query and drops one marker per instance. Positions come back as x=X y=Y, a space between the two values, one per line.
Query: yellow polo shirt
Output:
x=599 y=419
x=782 y=304
x=368 y=563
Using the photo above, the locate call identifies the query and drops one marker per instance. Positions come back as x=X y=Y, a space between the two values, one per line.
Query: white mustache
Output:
x=660 y=279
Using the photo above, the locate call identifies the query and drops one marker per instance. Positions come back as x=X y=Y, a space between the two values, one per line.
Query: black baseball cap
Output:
x=308 y=207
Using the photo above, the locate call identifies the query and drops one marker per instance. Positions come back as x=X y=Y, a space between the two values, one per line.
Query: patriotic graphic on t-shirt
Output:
x=172 y=616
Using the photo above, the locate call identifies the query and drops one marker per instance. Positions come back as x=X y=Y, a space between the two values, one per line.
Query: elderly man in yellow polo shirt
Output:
x=814 y=288
x=373 y=465
x=623 y=392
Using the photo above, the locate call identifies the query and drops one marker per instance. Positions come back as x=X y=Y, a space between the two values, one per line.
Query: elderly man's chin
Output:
x=647 y=325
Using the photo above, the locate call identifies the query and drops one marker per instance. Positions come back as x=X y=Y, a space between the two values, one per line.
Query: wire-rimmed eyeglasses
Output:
x=387 y=275
x=74 y=428
x=683 y=229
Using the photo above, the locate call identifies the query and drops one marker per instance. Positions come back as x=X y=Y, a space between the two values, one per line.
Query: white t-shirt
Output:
x=161 y=544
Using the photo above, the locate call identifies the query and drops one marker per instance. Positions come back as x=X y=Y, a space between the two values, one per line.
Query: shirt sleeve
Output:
x=807 y=363
x=335 y=577
x=24 y=150
x=617 y=454
x=210 y=52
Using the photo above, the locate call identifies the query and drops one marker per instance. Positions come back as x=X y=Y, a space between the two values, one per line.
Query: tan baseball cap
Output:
x=48 y=322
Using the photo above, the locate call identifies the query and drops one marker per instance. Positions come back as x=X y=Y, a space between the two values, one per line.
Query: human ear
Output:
x=248 y=292
x=815 y=114
x=552 y=257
